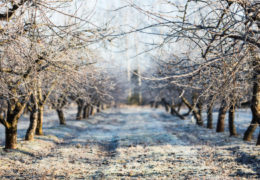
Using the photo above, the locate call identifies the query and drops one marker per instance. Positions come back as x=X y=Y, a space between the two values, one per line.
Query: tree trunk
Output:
x=93 y=112
x=250 y=130
x=255 y=102
x=258 y=140
x=156 y=105
x=151 y=104
x=14 y=112
x=231 y=121
x=40 y=120
x=200 y=108
x=11 y=136
x=221 y=117
x=195 y=112
x=210 y=116
x=165 y=104
x=90 y=110
x=79 y=113
x=33 y=123
x=86 y=111
x=98 y=107
x=166 y=107
x=198 y=118
x=172 y=110
x=61 y=116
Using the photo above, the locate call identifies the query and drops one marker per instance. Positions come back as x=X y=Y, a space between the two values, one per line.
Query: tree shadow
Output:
x=250 y=160
x=109 y=147
x=20 y=151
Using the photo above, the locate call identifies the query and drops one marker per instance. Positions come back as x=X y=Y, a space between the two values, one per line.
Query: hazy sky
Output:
x=121 y=18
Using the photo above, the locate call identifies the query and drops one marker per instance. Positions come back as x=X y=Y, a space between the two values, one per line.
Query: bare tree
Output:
x=33 y=52
x=219 y=38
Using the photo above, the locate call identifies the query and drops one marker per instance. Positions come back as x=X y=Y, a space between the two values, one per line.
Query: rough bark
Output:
x=39 y=130
x=195 y=112
x=11 y=135
x=200 y=108
x=255 y=102
x=255 y=113
x=79 y=113
x=41 y=100
x=32 y=127
x=221 y=117
x=61 y=116
x=198 y=112
x=80 y=104
x=14 y=112
x=250 y=130
x=210 y=116
x=32 y=107
x=86 y=111
x=231 y=121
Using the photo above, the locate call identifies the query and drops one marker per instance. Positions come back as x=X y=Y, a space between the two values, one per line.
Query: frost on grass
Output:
x=138 y=143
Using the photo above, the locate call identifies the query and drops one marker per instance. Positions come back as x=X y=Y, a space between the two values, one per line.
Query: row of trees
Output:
x=209 y=54
x=43 y=62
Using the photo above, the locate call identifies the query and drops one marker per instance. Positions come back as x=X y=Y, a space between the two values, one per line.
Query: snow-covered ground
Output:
x=131 y=143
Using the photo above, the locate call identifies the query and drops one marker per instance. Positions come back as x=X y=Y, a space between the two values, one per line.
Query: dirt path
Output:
x=138 y=143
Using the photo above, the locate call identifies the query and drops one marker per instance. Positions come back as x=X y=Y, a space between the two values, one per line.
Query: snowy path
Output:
x=127 y=126
x=129 y=143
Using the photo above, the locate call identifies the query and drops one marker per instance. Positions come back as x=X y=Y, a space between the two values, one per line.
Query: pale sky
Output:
x=122 y=49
